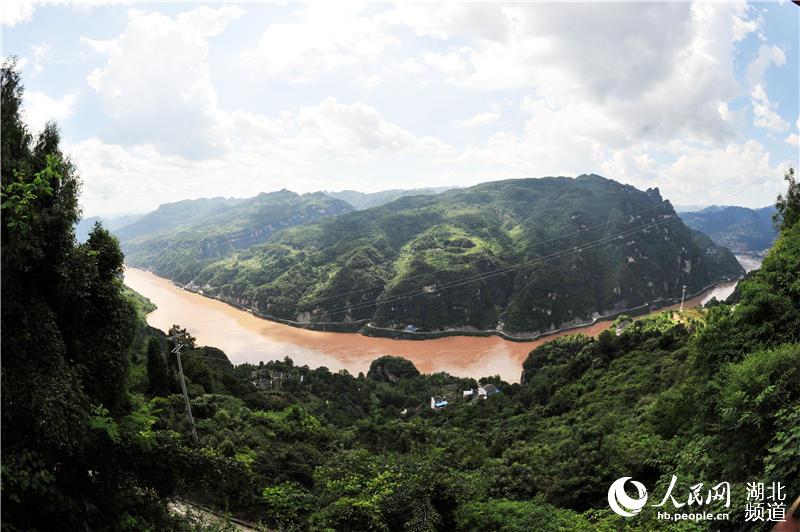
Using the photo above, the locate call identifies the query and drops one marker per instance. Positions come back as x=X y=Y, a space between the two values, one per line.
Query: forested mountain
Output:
x=365 y=200
x=527 y=255
x=178 y=239
x=739 y=229
x=173 y=216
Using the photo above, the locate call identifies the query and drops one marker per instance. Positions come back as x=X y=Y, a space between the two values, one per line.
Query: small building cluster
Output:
x=268 y=379
x=450 y=394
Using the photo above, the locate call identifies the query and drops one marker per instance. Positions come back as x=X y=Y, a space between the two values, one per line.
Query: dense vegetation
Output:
x=72 y=452
x=709 y=396
x=739 y=229
x=95 y=434
x=178 y=239
x=524 y=255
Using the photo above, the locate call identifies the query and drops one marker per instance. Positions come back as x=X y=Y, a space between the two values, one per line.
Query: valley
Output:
x=247 y=338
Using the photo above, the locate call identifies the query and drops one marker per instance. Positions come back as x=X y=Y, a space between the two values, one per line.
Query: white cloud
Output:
x=166 y=99
x=449 y=19
x=648 y=93
x=764 y=111
x=479 y=120
x=323 y=37
x=412 y=66
x=40 y=108
x=101 y=47
x=717 y=175
x=16 y=12
x=41 y=53
x=764 y=114
x=300 y=150
x=767 y=56
x=743 y=25
x=356 y=130
x=368 y=82
x=793 y=140
x=666 y=71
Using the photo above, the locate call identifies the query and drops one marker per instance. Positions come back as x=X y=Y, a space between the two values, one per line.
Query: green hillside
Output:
x=215 y=228
x=171 y=216
x=589 y=246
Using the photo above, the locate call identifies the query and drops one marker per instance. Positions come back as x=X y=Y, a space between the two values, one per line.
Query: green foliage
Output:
x=158 y=378
x=519 y=516
x=68 y=463
x=391 y=369
x=142 y=305
x=788 y=206
x=432 y=260
x=767 y=312
x=287 y=504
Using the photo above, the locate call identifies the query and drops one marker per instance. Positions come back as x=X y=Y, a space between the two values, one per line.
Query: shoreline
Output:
x=364 y=327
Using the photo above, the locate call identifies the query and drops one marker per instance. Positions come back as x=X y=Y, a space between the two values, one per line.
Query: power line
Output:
x=496 y=272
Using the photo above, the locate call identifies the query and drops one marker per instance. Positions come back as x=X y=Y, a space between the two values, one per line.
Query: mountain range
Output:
x=525 y=255
x=178 y=239
x=742 y=230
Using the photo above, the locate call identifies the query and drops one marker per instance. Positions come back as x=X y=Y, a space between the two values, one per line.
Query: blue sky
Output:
x=161 y=102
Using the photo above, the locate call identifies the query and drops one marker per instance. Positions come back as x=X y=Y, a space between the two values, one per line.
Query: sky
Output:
x=159 y=102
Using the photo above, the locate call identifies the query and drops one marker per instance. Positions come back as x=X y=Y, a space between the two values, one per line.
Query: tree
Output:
x=157 y=374
x=788 y=206
x=183 y=336
x=66 y=329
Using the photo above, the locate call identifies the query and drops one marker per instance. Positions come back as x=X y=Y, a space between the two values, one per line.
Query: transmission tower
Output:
x=683 y=295
x=177 y=351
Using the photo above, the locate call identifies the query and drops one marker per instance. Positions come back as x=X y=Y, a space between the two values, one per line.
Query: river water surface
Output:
x=246 y=338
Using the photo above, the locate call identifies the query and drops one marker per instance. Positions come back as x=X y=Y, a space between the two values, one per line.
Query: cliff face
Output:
x=524 y=256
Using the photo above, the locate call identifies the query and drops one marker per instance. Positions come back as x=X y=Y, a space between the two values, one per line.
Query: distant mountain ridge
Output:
x=177 y=239
x=365 y=200
x=172 y=216
x=451 y=260
x=112 y=223
x=740 y=229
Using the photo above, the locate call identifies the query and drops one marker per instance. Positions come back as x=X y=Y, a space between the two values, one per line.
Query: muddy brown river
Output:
x=246 y=338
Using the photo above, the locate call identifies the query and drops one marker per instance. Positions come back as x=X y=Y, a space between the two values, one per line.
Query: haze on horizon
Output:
x=163 y=102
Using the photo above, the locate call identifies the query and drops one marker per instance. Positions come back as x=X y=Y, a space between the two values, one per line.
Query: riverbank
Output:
x=246 y=337
x=366 y=328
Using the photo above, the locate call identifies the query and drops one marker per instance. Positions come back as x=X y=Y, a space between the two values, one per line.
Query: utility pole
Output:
x=177 y=351
x=683 y=295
